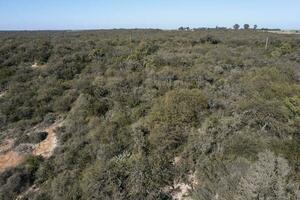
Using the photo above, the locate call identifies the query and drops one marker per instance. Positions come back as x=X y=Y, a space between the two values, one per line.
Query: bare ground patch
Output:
x=285 y=32
x=12 y=157
x=36 y=65
x=2 y=94
x=46 y=147
x=180 y=190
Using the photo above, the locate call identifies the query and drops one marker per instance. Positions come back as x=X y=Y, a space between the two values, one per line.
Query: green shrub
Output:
x=180 y=107
x=143 y=50
x=270 y=101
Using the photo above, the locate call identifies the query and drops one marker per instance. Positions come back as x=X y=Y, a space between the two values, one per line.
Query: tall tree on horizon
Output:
x=246 y=26
x=236 y=26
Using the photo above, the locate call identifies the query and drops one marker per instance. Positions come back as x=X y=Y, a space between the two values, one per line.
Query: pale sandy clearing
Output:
x=177 y=160
x=36 y=65
x=10 y=159
x=2 y=94
x=180 y=190
x=46 y=147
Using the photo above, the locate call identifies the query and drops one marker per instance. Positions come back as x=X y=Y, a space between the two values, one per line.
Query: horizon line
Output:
x=137 y=28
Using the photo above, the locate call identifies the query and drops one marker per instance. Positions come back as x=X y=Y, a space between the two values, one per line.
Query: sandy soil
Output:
x=177 y=160
x=180 y=190
x=46 y=147
x=2 y=94
x=36 y=66
x=10 y=158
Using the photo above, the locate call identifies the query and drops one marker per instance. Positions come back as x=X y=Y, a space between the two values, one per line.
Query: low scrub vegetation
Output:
x=144 y=110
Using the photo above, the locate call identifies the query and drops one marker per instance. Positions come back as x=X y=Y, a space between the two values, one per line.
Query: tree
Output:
x=236 y=26
x=255 y=27
x=246 y=26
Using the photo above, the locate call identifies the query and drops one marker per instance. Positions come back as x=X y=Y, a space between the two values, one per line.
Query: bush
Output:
x=144 y=114
x=270 y=101
x=180 y=107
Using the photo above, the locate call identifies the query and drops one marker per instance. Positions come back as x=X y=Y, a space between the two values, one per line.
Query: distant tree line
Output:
x=235 y=27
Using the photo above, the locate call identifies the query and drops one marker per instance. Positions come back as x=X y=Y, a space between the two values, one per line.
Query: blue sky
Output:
x=165 y=14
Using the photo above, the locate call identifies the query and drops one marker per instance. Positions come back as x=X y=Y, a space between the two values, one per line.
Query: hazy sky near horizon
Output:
x=165 y=14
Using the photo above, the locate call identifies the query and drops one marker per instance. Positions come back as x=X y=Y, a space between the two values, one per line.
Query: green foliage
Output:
x=270 y=97
x=288 y=149
x=144 y=110
x=284 y=48
x=179 y=108
x=173 y=115
x=143 y=50
x=293 y=104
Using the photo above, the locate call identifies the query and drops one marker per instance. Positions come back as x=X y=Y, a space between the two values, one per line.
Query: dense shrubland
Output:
x=218 y=102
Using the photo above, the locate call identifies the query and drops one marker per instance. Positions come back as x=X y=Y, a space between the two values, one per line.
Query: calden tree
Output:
x=236 y=26
x=246 y=26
